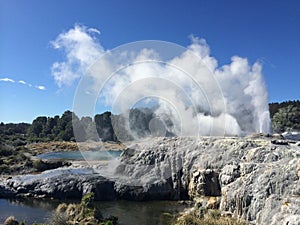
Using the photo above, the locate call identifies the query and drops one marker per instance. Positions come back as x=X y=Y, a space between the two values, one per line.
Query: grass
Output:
x=83 y=213
x=211 y=217
x=72 y=214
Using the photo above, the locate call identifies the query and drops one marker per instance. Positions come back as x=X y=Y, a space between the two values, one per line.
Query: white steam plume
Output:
x=186 y=95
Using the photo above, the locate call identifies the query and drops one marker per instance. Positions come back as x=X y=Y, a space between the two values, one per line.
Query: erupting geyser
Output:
x=198 y=96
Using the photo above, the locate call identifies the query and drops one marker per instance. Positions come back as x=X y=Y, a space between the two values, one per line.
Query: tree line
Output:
x=62 y=128
x=285 y=116
x=108 y=127
x=105 y=126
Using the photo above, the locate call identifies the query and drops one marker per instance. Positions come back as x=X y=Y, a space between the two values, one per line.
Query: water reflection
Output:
x=30 y=210
x=129 y=213
x=84 y=155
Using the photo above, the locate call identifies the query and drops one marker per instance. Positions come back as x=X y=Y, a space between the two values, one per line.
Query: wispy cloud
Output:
x=22 y=82
x=81 y=50
x=94 y=30
x=6 y=79
x=41 y=88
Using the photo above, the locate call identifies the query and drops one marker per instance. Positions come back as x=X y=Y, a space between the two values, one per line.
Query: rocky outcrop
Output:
x=61 y=183
x=204 y=183
x=73 y=183
x=253 y=178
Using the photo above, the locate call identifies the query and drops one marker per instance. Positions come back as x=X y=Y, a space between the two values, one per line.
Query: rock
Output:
x=128 y=152
x=229 y=174
x=294 y=135
x=208 y=202
x=251 y=174
x=5 y=191
x=253 y=178
x=277 y=136
x=59 y=184
x=204 y=183
x=280 y=142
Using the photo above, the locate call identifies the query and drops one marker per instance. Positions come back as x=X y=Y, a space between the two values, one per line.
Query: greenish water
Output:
x=128 y=212
x=78 y=155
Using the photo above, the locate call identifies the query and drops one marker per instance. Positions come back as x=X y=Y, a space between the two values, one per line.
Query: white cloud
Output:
x=41 y=87
x=81 y=50
x=94 y=30
x=7 y=80
x=22 y=82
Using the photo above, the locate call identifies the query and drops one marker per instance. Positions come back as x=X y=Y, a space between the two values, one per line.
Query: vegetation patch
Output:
x=70 y=214
x=207 y=217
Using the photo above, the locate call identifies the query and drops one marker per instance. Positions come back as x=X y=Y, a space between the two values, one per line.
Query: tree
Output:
x=104 y=126
x=37 y=126
x=287 y=118
x=90 y=128
x=139 y=121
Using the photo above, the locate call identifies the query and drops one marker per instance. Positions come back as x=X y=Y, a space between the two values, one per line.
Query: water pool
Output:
x=81 y=155
x=128 y=212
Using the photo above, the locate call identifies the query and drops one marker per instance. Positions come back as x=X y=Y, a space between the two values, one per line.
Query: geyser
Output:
x=199 y=96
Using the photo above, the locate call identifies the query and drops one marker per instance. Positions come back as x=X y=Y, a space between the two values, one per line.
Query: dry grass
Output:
x=51 y=146
x=212 y=217
x=11 y=221
x=42 y=147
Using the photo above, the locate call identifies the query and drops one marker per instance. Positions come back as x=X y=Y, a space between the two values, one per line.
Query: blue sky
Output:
x=267 y=31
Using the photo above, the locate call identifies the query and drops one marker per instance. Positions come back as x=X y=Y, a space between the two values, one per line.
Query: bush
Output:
x=87 y=200
x=68 y=214
x=4 y=169
x=83 y=213
x=18 y=142
x=11 y=221
x=39 y=165
x=5 y=151
x=20 y=157
x=58 y=218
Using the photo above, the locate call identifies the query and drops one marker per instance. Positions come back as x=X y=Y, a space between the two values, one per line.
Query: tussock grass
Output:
x=212 y=217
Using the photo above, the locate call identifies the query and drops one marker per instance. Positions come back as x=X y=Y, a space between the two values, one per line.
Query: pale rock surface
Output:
x=255 y=178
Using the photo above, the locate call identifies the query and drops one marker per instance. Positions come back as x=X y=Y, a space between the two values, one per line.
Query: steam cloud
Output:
x=191 y=89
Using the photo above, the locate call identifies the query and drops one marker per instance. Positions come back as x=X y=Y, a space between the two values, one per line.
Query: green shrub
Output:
x=39 y=165
x=4 y=169
x=5 y=151
x=20 y=157
x=87 y=200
